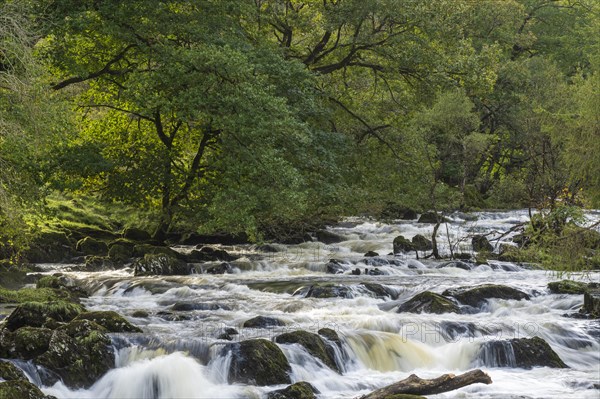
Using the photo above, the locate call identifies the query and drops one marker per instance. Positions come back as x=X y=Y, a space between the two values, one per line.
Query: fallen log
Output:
x=414 y=385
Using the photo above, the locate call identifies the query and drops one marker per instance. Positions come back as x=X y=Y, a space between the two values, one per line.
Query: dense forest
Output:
x=266 y=117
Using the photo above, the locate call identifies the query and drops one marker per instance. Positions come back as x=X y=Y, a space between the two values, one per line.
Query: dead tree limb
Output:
x=418 y=386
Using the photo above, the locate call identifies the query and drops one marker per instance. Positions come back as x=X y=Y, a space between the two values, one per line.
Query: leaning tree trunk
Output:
x=414 y=385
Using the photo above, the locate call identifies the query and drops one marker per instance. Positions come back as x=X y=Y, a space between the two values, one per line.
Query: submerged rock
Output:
x=329 y=291
x=299 y=390
x=520 y=352
x=402 y=244
x=478 y=295
x=312 y=343
x=458 y=264
x=380 y=291
x=428 y=302
x=190 y=306
x=263 y=322
x=258 y=362
x=112 y=321
x=160 y=264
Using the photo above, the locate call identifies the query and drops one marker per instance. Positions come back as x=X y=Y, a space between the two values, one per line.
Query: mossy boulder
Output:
x=37 y=314
x=299 y=390
x=209 y=254
x=111 y=321
x=380 y=291
x=10 y=372
x=30 y=342
x=428 y=302
x=477 y=296
x=142 y=250
x=263 y=322
x=21 y=389
x=570 y=287
x=402 y=244
x=481 y=244
x=64 y=283
x=133 y=233
x=258 y=362
x=591 y=302
x=79 y=352
x=49 y=246
x=92 y=246
x=520 y=352
x=312 y=343
x=431 y=217
x=120 y=253
x=97 y=263
x=33 y=295
x=160 y=264
x=421 y=243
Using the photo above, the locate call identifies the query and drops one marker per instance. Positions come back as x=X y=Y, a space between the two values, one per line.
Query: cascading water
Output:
x=179 y=354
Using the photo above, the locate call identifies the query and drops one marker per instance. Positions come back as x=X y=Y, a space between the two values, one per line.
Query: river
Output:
x=180 y=355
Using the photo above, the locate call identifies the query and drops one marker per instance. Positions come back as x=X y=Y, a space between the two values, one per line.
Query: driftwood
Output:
x=418 y=386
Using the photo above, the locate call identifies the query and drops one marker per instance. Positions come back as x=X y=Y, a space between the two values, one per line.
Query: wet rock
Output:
x=21 y=389
x=263 y=322
x=227 y=333
x=170 y=316
x=142 y=314
x=329 y=291
x=111 y=321
x=299 y=390
x=79 y=352
x=312 y=343
x=190 y=306
x=92 y=246
x=591 y=302
x=221 y=268
x=97 y=263
x=452 y=331
x=402 y=244
x=335 y=266
x=570 y=287
x=481 y=244
x=9 y=372
x=270 y=248
x=329 y=237
x=133 y=233
x=120 y=253
x=377 y=261
x=395 y=211
x=35 y=314
x=356 y=272
x=375 y=272
x=431 y=217
x=331 y=335
x=520 y=352
x=380 y=291
x=209 y=254
x=258 y=362
x=420 y=243
x=371 y=254
x=428 y=302
x=458 y=264
x=478 y=295
x=30 y=342
x=60 y=282
x=141 y=250
x=160 y=264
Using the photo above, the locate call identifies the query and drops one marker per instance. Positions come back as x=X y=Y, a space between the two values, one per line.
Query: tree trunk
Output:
x=417 y=386
x=435 y=252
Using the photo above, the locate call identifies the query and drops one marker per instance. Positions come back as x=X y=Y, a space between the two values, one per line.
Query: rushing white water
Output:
x=178 y=355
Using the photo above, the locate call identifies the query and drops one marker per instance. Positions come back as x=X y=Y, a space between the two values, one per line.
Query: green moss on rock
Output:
x=33 y=295
x=10 y=372
x=36 y=314
x=258 y=362
x=312 y=343
x=112 y=321
x=567 y=287
x=31 y=342
x=428 y=302
x=20 y=389
x=160 y=264
x=299 y=390
x=477 y=296
x=92 y=246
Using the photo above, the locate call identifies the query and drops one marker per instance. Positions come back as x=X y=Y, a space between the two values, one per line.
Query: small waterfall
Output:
x=496 y=354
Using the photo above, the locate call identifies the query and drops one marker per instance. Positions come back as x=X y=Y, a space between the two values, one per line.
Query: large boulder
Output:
x=79 y=352
x=312 y=343
x=402 y=244
x=92 y=246
x=63 y=283
x=49 y=246
x=36 y=314
x=160 y=264
x=520 y=352
x=477 y=296
x=98 y=263
x=591 y=302
x=30 y=342
x=299 y=390
x=329 y=237
x=135 y=234
x=258 y=362
x=142 y=250
x=120 y=253
x=111 y=321
x=428 y=302
x=570 y=287
x=329 y=291
x=421 y=243
x=263 y=322
x=481 y=244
